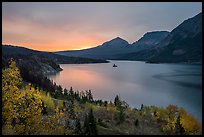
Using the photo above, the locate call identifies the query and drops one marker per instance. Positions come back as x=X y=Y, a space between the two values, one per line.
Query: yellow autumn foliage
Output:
x=168 y=118
x=190 y=124
x=48 y=101
x=22 y=107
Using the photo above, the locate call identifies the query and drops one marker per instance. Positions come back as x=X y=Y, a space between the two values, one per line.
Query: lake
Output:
x=138 y=83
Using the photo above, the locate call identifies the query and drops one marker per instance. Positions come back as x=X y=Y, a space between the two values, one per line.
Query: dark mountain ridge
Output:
x=114 y=48
x=182 y=45
x=40 y=62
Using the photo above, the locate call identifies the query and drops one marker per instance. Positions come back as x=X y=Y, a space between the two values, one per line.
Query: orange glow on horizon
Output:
x=46 y=38
x=72 y=44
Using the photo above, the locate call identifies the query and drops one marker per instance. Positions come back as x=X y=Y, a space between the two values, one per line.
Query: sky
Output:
x=57 y=26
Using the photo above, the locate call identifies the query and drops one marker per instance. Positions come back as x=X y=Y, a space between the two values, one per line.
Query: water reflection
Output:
x=80 y=78
x=138 y=83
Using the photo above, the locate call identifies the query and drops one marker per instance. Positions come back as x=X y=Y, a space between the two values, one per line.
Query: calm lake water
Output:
x=138 y=83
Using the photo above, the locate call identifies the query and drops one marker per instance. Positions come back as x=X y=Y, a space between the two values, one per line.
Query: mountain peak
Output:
x=119 y=42
x=118 y=38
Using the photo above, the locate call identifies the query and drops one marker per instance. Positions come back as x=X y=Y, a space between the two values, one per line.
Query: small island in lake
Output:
x=115 y=65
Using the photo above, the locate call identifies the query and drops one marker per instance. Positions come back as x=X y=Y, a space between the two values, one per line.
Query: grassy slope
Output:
x=147 y=122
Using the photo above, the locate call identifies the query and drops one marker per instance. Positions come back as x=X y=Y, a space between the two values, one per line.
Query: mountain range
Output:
x=117 y=47
x=182 y=44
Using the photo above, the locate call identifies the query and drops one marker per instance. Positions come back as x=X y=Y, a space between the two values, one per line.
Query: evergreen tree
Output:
x=179 y=129
x=142 y=106
x=117 y=102
x=71 y=111
x=90 y=124
x=136 y=122
x=65 y=92
x=105 y=103
x=71 y=92
x=78 y=130
x=86 y=125
x=120 y=116
x=90 y=96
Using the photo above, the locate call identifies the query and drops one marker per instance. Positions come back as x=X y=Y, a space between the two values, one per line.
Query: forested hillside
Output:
x=38 y=62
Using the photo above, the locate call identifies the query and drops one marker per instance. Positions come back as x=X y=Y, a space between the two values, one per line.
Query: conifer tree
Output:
x=117 y=102
x=78 y=130
x=90 y=124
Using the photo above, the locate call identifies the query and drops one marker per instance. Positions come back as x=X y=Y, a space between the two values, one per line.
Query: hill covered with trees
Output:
x=39 y=62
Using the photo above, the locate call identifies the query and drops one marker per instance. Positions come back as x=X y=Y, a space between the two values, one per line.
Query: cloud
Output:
x=94 y=22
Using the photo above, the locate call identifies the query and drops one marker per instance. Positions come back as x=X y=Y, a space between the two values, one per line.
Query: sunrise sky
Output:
x=57 y=26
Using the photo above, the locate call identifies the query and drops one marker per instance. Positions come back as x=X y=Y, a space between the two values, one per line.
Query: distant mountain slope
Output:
x=183 y=44
x=151 y=39
x=104 y=51
x=116 y=47
x=40 y=62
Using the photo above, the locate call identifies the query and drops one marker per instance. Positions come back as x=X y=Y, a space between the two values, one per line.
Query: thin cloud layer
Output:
x=57 y=26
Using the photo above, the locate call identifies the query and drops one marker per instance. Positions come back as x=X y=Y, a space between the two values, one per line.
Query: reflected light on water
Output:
x=137 y=83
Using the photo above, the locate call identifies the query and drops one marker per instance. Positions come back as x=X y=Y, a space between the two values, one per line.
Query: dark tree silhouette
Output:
x=179 y=128
x=117 y=101
x=142 y=106
x=90 y=124
x=136 y=122
x=78 y=129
